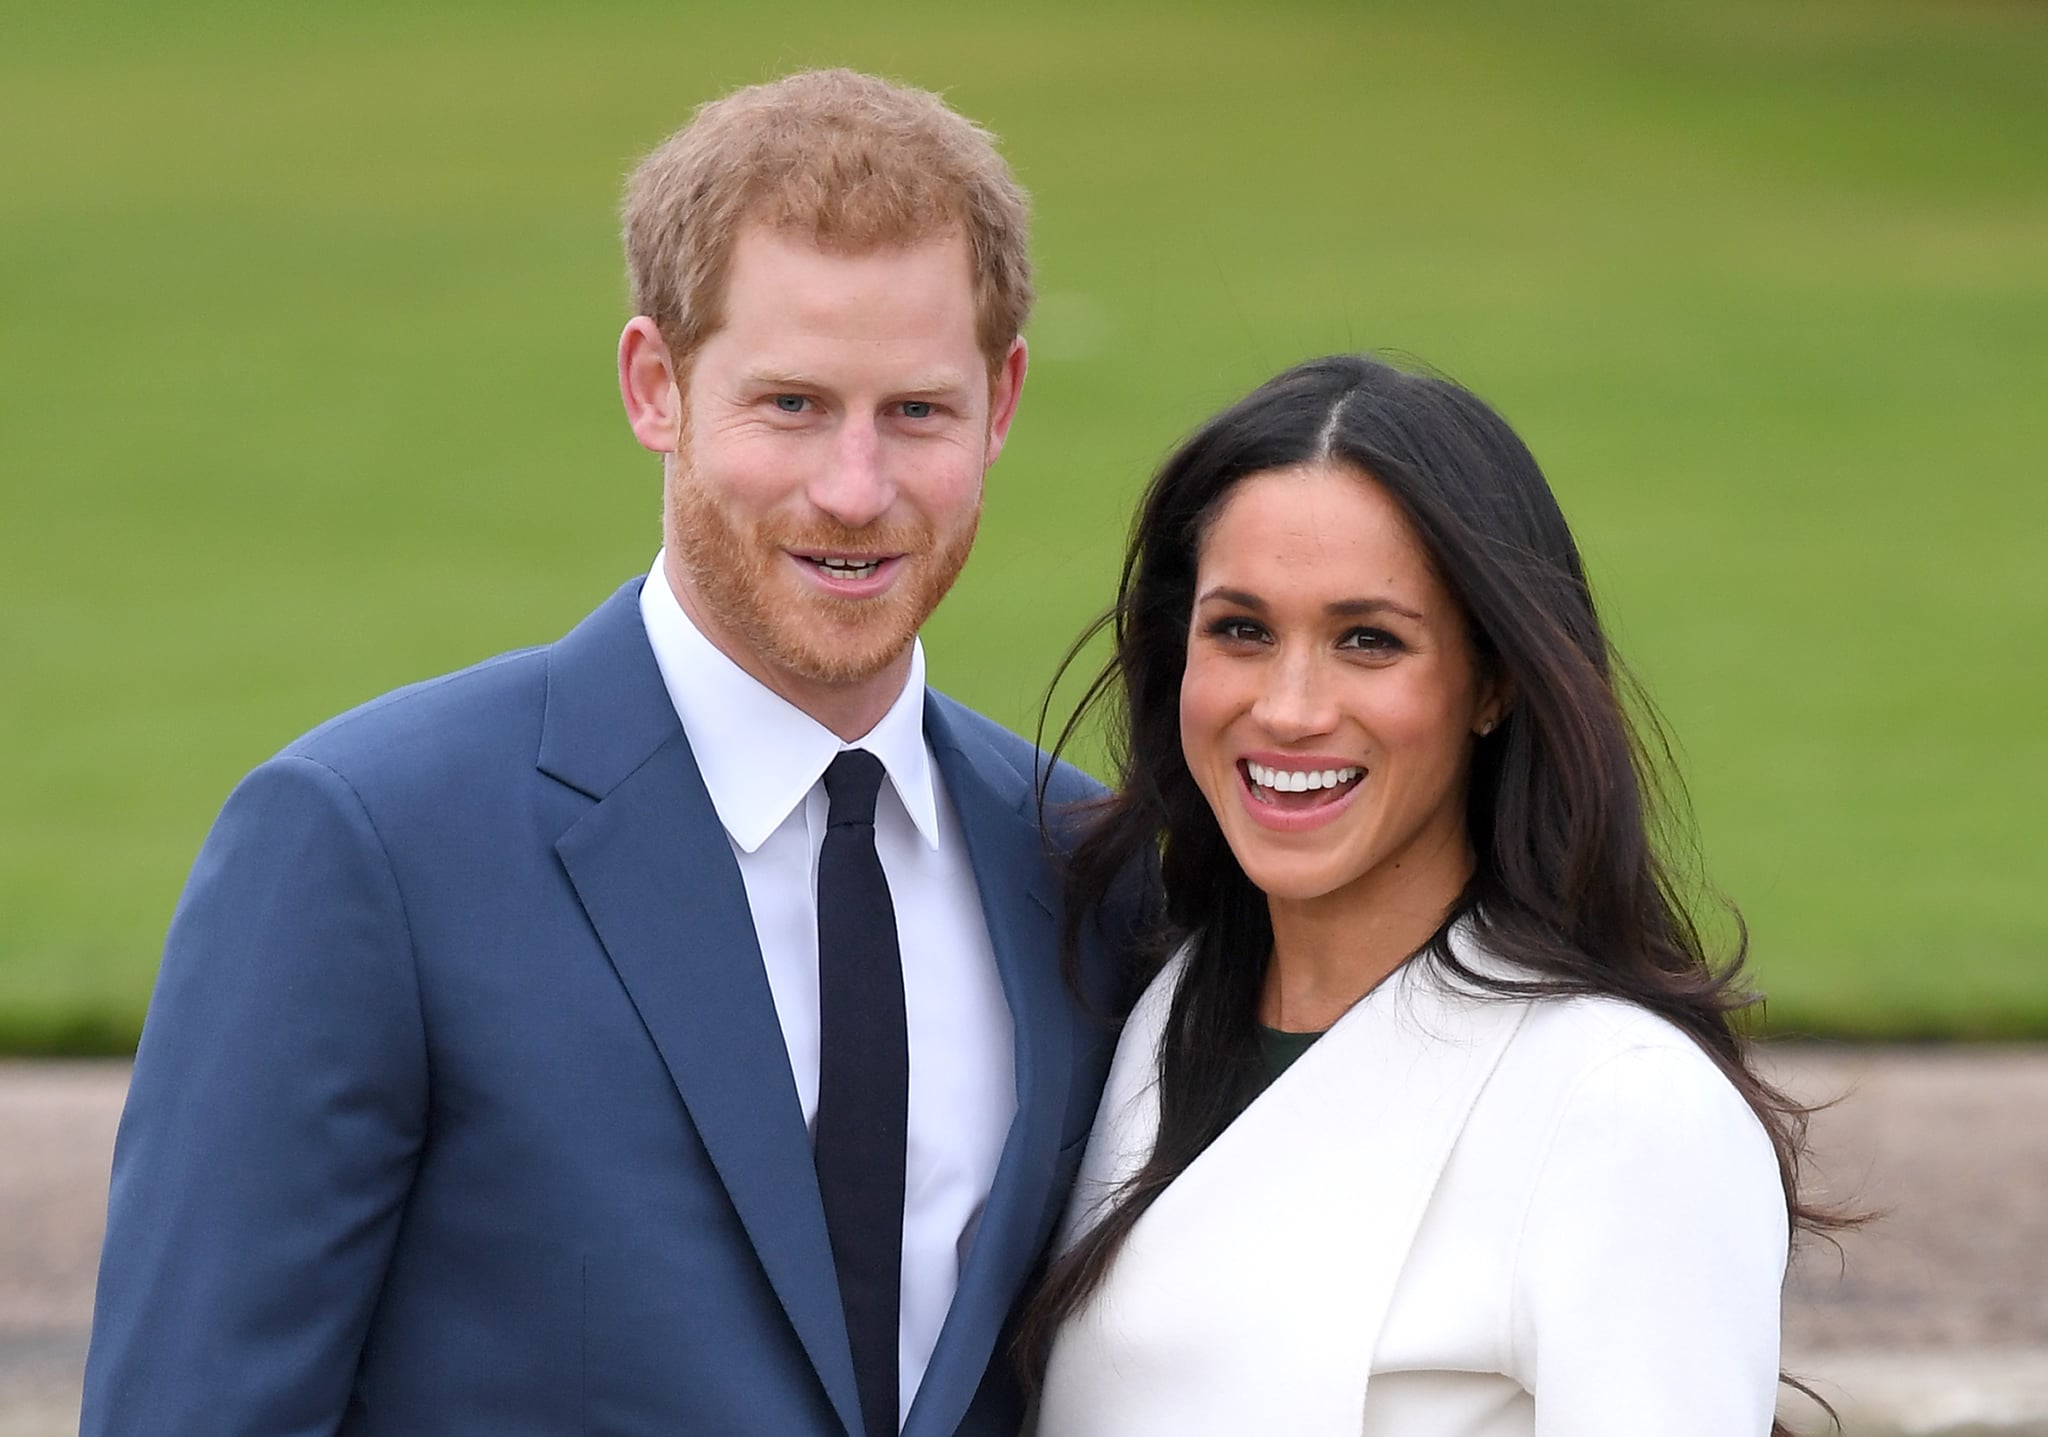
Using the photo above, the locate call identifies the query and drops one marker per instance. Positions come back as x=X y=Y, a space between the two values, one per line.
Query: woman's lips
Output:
x=1298 y=794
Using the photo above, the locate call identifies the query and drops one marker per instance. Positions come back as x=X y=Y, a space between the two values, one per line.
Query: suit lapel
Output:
x=653 y=868
x=1308 y=1203
x=998 y=816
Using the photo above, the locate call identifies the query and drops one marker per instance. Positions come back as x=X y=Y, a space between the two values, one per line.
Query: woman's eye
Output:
x=1372 y=641
x=917 y=409
x=790 y=403
x=1236 y=631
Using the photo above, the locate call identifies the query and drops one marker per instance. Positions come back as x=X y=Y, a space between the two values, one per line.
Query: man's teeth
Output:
x=1291 y=780
x=849 y=568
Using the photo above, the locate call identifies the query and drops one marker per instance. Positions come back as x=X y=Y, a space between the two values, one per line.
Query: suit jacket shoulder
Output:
x=433 y=735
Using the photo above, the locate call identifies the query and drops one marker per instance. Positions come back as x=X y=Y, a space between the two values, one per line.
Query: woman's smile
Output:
x=1292 y=794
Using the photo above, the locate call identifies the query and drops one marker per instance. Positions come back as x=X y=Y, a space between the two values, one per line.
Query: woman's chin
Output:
x=1285 y=882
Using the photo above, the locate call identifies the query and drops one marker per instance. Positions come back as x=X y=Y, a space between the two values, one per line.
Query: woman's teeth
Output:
x=1284 y=780
x=849 y=568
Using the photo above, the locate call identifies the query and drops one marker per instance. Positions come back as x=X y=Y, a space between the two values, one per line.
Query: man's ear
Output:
x=1006 y=384
x=647 y=383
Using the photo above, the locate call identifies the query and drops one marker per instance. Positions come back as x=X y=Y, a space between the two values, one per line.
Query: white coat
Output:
x=1455 y=1216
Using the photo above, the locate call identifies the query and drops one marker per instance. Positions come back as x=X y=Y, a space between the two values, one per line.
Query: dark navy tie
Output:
x=863 y=1082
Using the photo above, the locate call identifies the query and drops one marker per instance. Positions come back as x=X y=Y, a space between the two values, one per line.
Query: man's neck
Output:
x=849 y=710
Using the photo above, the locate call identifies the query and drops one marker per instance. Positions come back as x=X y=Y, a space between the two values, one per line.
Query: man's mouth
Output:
x=1298 y=788
x=856 y=575
x=838 y=568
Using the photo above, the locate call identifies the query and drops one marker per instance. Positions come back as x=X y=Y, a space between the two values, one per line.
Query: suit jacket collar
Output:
x=651 y=862
x=655 y=873
x=996 y=804
x=606 y=710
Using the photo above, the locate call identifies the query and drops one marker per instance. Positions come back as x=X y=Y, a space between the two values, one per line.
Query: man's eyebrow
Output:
x=1341 y=608
x=772 y=378
x=936 y=381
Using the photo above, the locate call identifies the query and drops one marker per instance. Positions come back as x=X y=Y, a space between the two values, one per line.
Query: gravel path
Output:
x=56 y=1133
x=1933 y=1319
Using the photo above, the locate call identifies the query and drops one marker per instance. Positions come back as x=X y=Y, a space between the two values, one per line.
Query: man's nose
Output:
x=1296 y=701
x=854 y=488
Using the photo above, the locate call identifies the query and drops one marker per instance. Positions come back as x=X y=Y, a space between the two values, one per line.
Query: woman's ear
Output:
x=1496 y=698
x=647 y=384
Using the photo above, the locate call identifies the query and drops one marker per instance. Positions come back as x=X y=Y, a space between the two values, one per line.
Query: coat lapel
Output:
x=653 y=868
x=997 y=811
x=1308 y=1203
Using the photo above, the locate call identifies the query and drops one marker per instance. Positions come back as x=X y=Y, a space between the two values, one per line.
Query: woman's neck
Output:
x=1332 y=950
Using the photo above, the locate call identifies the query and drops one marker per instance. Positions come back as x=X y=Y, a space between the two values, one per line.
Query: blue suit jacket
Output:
x=462 y=1106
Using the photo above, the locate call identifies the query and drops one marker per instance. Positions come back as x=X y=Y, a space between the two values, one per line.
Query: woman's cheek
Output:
x=1202 y=710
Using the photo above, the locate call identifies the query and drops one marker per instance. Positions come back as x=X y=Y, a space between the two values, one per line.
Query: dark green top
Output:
x=1280 y=1049
x=1277 y=1051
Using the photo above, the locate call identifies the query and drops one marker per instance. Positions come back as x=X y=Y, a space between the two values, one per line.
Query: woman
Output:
x=1436 y=1123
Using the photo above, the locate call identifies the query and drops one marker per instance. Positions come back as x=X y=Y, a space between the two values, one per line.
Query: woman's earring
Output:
x=1485 y=727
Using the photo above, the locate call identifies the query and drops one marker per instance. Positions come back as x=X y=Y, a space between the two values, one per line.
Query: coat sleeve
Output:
x=271 y=1130
x=1648 y=1277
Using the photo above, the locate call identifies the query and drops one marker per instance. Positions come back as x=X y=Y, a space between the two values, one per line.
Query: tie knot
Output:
x=851 y=783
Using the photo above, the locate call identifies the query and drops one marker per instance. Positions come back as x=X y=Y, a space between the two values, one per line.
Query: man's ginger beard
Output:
x=733 y=574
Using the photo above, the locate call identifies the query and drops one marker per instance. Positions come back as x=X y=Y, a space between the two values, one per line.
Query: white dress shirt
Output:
x=763 y=760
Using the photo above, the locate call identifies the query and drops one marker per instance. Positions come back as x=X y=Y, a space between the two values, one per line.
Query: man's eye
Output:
x=790 y=403
x=917 y=409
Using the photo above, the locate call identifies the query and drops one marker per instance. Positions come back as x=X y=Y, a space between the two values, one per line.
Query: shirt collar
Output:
x=759 y=753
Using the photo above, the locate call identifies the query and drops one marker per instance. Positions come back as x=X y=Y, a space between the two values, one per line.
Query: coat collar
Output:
x=1310 y=1200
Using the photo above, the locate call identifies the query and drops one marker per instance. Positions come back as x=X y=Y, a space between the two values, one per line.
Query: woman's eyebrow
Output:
x=1351 y=608
x=1340 y=608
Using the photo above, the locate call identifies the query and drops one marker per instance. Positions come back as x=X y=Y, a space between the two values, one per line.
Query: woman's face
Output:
x=1331 y=695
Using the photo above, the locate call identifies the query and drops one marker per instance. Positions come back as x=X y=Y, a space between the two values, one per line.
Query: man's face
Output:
x=827 y=485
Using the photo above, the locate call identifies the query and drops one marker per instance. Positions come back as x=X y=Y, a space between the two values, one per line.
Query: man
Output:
x=662 y=1031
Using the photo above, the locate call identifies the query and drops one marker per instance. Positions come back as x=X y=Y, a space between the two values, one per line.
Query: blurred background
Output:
x=307 y=316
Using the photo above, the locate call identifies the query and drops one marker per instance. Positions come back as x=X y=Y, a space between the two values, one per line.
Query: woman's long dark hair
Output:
x=1566 y=807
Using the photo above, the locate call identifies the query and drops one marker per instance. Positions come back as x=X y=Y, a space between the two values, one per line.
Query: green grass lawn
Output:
x=307 y=316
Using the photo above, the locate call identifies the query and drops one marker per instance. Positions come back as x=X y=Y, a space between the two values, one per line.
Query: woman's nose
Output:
x=1295 y=702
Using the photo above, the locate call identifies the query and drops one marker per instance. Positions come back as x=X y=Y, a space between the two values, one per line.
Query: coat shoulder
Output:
x=1581 y=1056
x=1596 y=1032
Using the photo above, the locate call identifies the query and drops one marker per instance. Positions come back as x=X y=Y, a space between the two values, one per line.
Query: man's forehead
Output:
x=758 y=238
x=791 y=306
